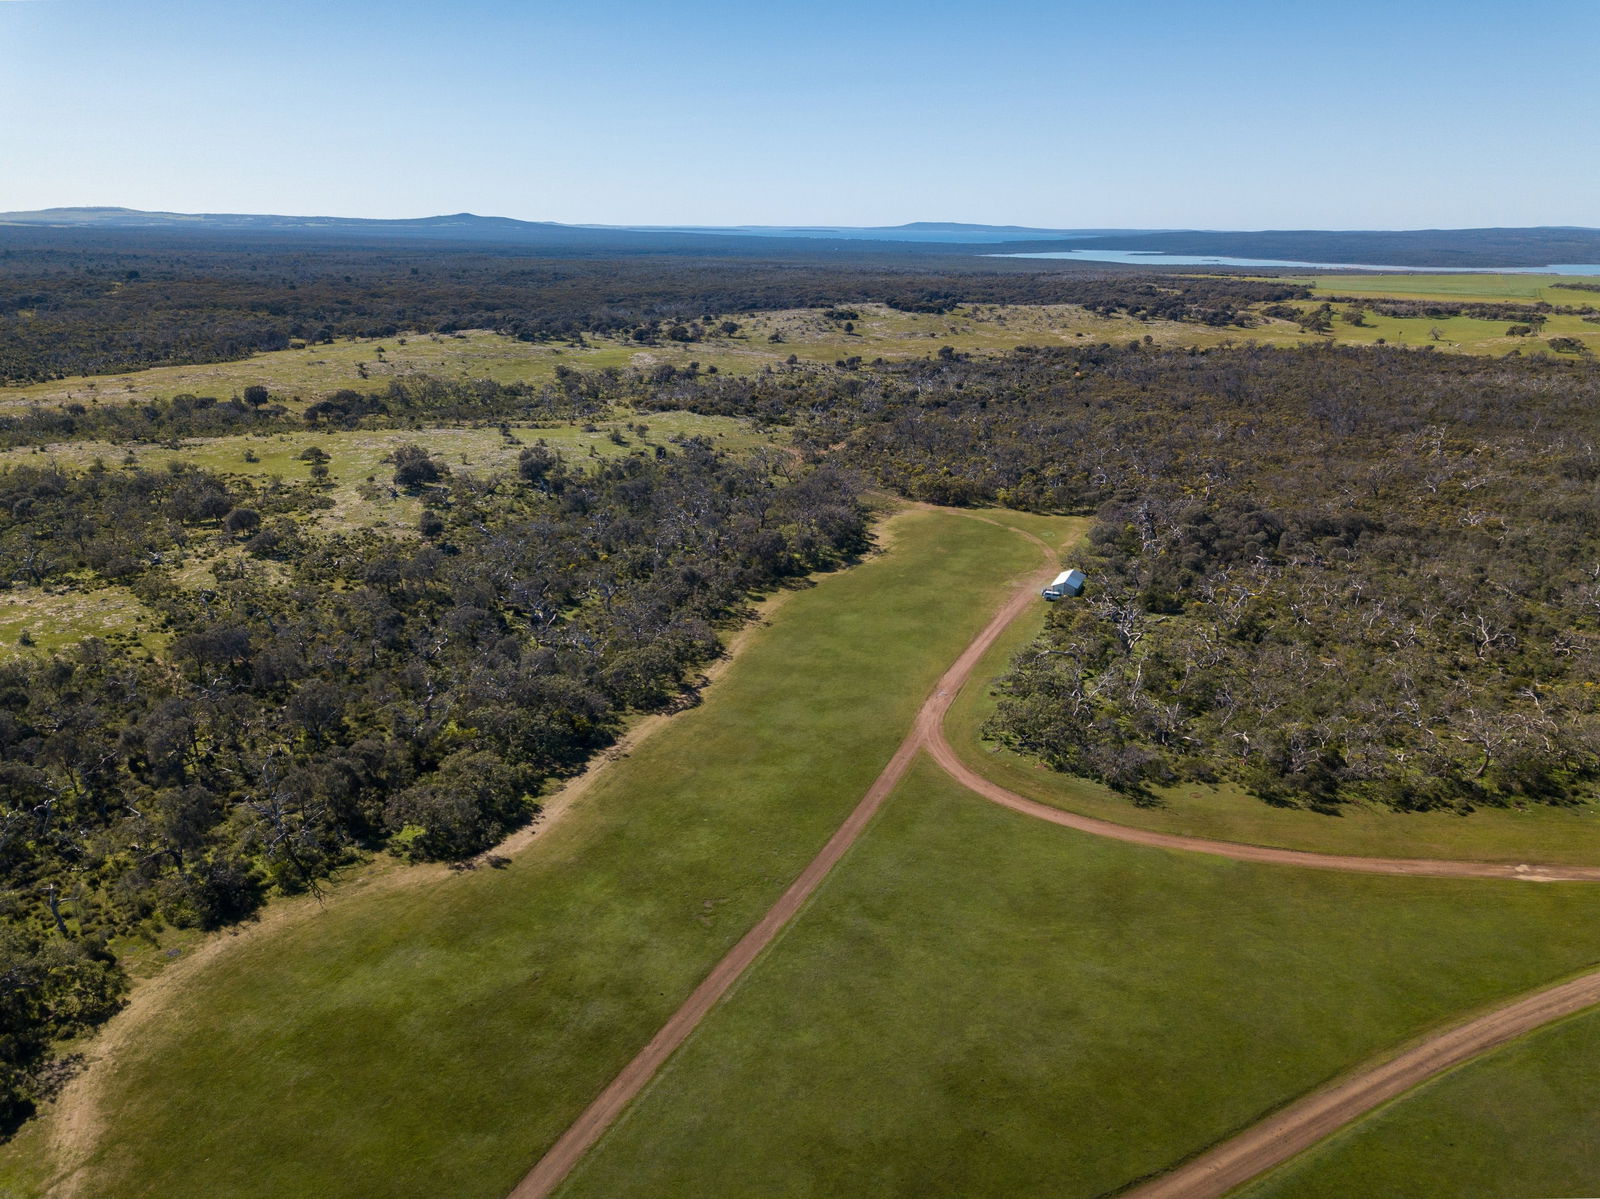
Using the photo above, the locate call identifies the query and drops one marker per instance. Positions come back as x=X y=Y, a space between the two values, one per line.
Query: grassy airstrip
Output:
x=1536 y=833
x=428 y=1033
x=979 y=1004
x=1523 y=1121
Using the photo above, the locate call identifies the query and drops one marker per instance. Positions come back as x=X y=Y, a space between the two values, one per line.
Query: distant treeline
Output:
x=1501 y=310
x=95 y=304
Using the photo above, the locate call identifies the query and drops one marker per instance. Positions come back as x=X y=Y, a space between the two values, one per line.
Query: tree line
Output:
x=330 y=695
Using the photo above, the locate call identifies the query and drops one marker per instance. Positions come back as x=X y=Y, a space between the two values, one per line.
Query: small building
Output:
x=1068 y=582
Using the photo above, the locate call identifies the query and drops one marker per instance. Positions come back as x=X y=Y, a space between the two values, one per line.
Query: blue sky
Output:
x=1349 y=114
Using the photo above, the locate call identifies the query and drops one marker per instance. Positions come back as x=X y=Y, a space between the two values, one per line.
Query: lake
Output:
x=1153 y=258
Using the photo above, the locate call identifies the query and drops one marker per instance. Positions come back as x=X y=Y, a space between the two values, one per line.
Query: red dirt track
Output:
x=597 y=1117
x=1225 y=1166
x=1426 y=867
x=1322 y=1113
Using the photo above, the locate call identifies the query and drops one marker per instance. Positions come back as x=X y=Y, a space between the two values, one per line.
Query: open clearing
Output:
x=979 y=1004
x=1466 y=288
x=52 y=618
x=299 y=376
x=359 y=478
x=448 y=1031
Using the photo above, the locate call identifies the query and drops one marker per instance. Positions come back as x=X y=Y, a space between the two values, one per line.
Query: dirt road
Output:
x=597 y=1117
x=952 y=765
x=1257 y=1149
x=1322 y=1113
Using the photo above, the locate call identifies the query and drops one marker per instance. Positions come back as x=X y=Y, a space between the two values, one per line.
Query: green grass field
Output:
x=1465 y=287
x=979 y=1004
x=1523 y=1121
x=428 y=1032
x=1537 y=833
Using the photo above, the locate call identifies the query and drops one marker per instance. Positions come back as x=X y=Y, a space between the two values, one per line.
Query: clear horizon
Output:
x=1158 y=115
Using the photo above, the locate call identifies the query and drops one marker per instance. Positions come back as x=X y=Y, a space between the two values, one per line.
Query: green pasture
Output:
x=1523 y=1121
x=1456 y=334
x=979 y=1004
x=432 y=1034
x=1467 y=288
x=1535 y=833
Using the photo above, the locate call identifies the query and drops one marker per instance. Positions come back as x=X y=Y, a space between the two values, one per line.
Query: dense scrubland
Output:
x=323 y=695
x=92 y=306
x=1323 y=574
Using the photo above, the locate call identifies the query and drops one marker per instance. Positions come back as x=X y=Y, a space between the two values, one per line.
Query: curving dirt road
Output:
x=952 y=765
x=1225 y=1166
x=1320 y=1114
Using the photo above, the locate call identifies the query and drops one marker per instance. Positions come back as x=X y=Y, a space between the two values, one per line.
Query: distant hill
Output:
x=1482 y=248
x=460 y=226
x=550 y=236
x=930 y=233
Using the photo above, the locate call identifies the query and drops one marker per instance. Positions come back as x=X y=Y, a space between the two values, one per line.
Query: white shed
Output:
x=1068 y=582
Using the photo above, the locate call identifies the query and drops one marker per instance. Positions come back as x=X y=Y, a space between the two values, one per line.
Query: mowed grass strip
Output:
x=1523 y=1121
x=1567 y=835
x=432 y=1040
x=977 y=1004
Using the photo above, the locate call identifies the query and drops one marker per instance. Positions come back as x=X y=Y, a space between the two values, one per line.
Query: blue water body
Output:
x=1153 y=258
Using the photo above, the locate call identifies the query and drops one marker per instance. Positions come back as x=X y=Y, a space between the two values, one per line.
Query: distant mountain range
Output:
x=506 y=231
x=1421 y=248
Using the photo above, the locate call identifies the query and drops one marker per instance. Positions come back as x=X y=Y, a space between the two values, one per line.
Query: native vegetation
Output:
x=1321 y=573
x=328 y=694
x=261 y=631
